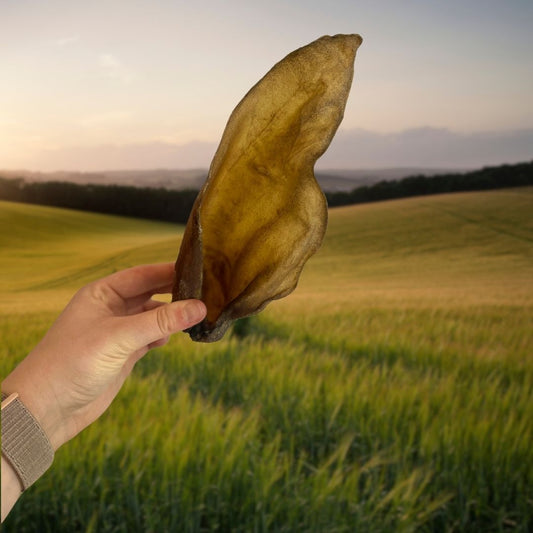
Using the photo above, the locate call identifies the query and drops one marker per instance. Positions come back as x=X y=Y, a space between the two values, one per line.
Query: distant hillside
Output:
x=178 y=179
x=174 y=205
x=171 y=179
x=345 y=180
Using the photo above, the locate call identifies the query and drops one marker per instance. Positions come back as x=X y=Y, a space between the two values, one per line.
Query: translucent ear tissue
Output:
x=261 y=213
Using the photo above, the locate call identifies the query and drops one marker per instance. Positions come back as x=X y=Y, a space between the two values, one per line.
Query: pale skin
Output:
x=70 y=378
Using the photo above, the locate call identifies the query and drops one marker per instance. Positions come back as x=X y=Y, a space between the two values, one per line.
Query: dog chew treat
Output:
x=261 y=213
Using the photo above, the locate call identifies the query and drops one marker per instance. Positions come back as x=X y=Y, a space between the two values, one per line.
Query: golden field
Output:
x=392 y=391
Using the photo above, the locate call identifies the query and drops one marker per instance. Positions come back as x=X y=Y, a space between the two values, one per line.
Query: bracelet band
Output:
x=24 y=443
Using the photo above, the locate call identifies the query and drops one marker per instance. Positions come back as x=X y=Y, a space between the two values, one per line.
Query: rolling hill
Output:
x=450 y=244
x=47 y=253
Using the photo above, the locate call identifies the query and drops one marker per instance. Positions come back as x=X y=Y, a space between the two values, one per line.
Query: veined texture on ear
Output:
x=261 y=213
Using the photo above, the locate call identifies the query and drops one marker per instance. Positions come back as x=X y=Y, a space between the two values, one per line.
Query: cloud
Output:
x=65 y=41
x=111 y=67
x=109 y=61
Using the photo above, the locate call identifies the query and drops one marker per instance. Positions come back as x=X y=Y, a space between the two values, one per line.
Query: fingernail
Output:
x=194 y=311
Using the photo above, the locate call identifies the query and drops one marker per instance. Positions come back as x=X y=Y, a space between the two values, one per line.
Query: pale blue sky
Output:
x=82 y=74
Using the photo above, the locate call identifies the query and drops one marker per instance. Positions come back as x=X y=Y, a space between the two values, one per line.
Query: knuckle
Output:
x=165 y=321
x=170 y=319
x=98 y=291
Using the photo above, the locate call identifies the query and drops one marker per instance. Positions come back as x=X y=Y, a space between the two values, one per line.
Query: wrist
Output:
x=38 y=404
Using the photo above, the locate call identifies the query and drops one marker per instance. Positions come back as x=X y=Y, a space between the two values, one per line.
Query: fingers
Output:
x=142 y=280
x=155 y=325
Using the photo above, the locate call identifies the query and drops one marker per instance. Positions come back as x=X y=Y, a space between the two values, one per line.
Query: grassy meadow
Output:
x=392 y=391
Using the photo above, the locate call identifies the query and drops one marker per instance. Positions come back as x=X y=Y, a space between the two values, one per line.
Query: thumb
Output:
x=148 y=327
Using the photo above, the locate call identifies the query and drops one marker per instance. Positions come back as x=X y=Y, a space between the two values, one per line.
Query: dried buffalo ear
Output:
x=261 y=213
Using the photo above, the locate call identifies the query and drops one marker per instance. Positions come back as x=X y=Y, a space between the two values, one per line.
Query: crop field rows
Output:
x=392 y=391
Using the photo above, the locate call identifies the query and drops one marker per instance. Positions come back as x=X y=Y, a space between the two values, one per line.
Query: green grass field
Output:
x=392 y=391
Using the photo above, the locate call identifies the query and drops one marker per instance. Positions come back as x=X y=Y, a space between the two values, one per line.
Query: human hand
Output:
x=69 y=379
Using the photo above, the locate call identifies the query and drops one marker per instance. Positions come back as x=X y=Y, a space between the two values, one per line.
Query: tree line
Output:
x=150 y=203
x=175 y=206
x=497 y=177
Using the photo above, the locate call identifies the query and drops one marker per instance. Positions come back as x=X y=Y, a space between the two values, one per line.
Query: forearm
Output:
x=11 y=488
